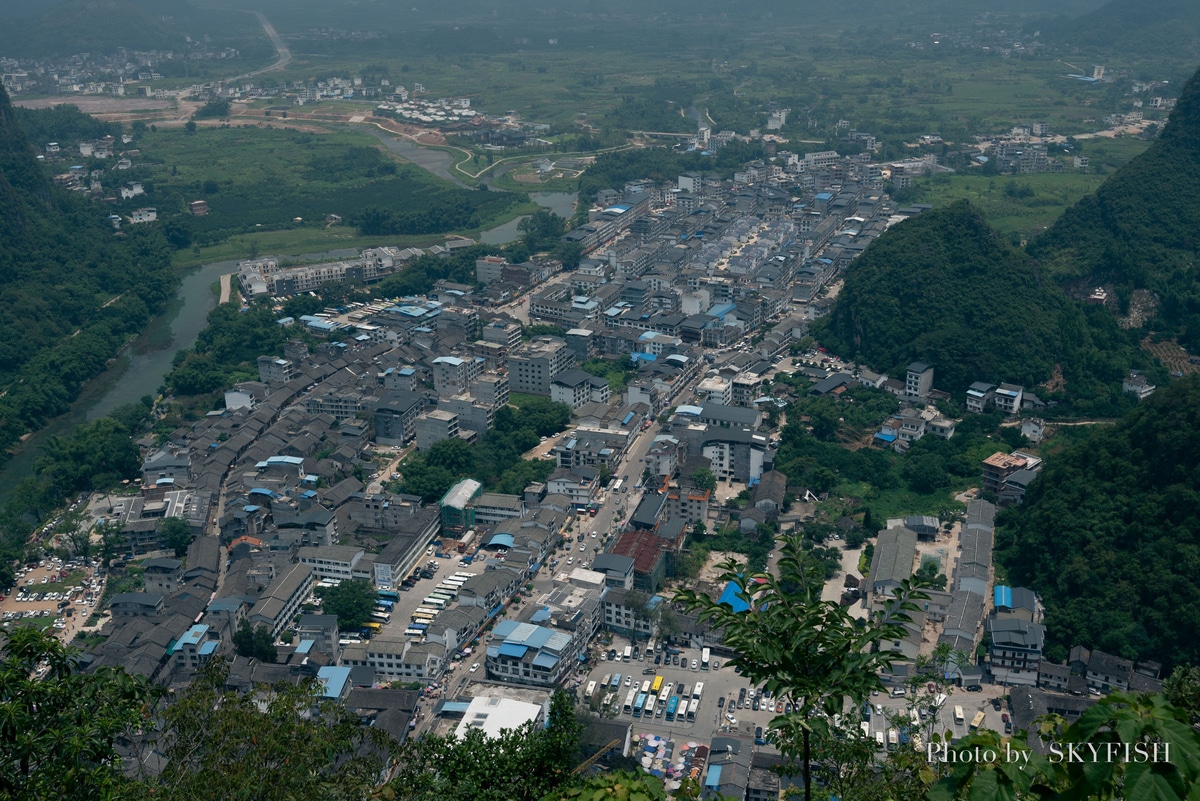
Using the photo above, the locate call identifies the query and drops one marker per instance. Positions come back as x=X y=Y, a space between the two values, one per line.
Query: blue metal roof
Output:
x=456 y=707
x=334 y=680
x=512 y=649
x=730 y=598
x=689 y=410
x=885 y=437
x=545 y=660
x=501 y=540
x=713 y=780
x=625 y=420
x=1002 y=597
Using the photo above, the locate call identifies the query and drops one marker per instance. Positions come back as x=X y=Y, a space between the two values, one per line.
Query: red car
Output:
x=932 y=687
x=1004 y=717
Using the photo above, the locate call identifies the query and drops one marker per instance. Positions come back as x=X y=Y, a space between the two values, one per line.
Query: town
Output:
x=487 y=602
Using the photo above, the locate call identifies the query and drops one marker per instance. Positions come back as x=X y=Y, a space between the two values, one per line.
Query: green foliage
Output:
x=522 y=764
x=635 y=786
x=213 y=109
x=617 y=372
x=255 y=643
x=943 y=288
x=703 y=479
x=352 y=602
x=96 y=455
x=660 y=164
x=231 y=342
x=71 y=293
x=1140 y=228
x=1100 y=738
x=1108 y=534
x=220 y=744
x=810 y=652
x=175 y=534
x=57 y=731
x=420 y=274
x=64 y=123
x=496 y=459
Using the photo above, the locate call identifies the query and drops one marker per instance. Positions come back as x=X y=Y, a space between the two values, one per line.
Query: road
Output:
x=283 y=55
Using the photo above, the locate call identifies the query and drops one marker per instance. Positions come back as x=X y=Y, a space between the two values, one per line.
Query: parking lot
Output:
x=43 y=597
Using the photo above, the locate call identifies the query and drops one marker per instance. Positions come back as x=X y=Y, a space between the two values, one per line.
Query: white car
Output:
x=571 y=561
x=695 y=664
x=628 y=680
x=474 y=668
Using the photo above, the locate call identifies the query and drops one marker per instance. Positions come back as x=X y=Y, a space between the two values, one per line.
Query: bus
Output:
x=893 y=739
x=388 y=595
x=648 y=712
x=664 y=694
x=639 y=705
x=693 y=705
x=656 y=685
x=705 y=653
x=650 y=648
x=959 y=718
x=629 y=699
x=866 y=730
x=373 y=627
x=463 y=576
x=590 y=691
x=385 y=606
x=672 y=705
x=422 y=619
x=645 y=686
x=419 y=626
x=915 y=718
x=977 y=721
x=411 y=632
x=426 y=610
x=698 y=690
x=436 y=603
x=879 y=746
x=628 y=653
x=446 y=589
x=604 y=681
x=616 y=680
x=381 y=617
x=441 y=596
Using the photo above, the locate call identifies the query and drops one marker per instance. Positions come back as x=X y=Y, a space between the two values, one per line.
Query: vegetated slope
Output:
x=1139 y=26
x=1141 y=229
x=1110 y=534
x=88 y=26
x=945 y=289
x=72 y=291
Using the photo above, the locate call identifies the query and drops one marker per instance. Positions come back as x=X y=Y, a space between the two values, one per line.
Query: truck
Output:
x=465 y=542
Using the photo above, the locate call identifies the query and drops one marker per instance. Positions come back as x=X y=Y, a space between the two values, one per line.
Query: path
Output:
x=226 y=287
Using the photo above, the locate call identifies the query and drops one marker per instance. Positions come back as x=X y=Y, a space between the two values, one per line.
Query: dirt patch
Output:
x=1171 y=355
x=1056 y=382
x=98 y=104
x=711 y=573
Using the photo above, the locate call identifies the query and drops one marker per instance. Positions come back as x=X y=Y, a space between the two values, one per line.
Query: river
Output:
x=140 y=368
x=561 y=203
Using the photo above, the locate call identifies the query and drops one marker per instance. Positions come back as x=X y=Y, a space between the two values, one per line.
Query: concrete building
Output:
x=435 y=426
x=532 y=367
x=276 y=608
x=918 y=380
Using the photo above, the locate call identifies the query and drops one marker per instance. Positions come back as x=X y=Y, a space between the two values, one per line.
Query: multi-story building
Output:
x=452 y=375
x=576 y=388
x=332 y=562
x=435 y=426
x=918 y=380
x=276 y=608
x=533 y=367
x=1015 y=651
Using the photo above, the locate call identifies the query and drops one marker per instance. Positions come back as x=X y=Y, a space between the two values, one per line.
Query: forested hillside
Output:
x=1142 y=227
x=1168 y=27
x=72 y=291
x=944 y=288
x=1110 y=534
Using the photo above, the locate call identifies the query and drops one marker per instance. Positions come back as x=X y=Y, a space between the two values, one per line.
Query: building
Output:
x=1015 y=650
x=496 y=715
x=458 y=505
x=334 y=562
x=527 y=653
x=1007 y=398
x=279 y=604
x=919 y=380
x=979 y=395
x=577 y=388
x=197 y=645
x=433 y=427
x=532 y=367
x=895 y=552
x=1138 y=385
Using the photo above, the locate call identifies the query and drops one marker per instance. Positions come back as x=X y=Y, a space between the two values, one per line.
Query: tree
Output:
x=174 y=533
x=351 y=601
x=190 y=127
x=57 y=730
x=810 y=652
x=277 y=743
x=254 y=643
x=111 y=539
x=704 y=479
x=522 y=764
x=1106 y=763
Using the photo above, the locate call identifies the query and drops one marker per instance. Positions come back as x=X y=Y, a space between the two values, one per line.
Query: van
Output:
x=898 y=692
